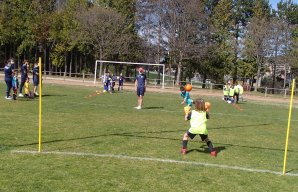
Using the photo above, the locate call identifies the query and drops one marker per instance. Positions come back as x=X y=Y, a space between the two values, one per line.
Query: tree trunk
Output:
x=274 y=75
x=70 y=63
x=65 y=65
x=258 y=77
x=50 y=65
x=179 y=69
x=76 y=63
x=81 y=62
x=100 y=57
x=45 y=60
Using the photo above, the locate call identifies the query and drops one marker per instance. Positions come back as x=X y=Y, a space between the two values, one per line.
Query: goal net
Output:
x=155 y=72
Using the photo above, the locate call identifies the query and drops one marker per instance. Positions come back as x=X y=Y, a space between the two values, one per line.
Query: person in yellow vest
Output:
x=226 y=92
x=231 y=94
x=198 y=119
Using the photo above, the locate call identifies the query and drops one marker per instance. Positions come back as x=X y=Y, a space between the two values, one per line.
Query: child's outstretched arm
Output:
x=183 y=102
x=188 y=116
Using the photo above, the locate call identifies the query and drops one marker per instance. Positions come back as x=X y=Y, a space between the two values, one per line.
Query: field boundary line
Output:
x=156 y=160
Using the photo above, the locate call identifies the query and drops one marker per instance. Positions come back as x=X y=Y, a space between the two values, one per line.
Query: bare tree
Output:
x=175 y=27
x=279 y=37
x=104 y=30
x=185 y=27
x=256 y=44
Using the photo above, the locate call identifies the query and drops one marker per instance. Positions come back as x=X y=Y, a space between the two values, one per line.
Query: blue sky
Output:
x=274 y=3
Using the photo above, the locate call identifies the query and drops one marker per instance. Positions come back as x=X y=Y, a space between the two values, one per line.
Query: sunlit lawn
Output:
x=251 y=136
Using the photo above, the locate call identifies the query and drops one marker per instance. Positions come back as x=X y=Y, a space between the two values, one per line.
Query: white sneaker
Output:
x=21 y=95
x=8 y=97
x=36 y=94
x=138 y=107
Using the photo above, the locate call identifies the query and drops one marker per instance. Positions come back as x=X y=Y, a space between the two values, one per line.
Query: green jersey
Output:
x=198 y=122
x=232 y=91
x=226 y=90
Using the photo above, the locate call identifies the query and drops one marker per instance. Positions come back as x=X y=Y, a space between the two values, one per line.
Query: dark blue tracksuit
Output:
x=23 y=76
x=8 y=79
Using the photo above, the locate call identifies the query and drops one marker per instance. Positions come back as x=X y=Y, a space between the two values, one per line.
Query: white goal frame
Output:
x=129 y=63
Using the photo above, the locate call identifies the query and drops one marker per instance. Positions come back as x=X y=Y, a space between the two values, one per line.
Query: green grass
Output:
x=253 y=138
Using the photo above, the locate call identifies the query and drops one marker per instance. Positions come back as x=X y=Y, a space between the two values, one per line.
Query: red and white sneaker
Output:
x=183 y=151
x=213 y=153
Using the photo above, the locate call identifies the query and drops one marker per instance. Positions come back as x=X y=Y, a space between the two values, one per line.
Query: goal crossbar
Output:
x=129 y=63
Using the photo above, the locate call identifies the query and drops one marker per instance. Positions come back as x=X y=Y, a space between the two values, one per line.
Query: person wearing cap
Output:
x=140 y=85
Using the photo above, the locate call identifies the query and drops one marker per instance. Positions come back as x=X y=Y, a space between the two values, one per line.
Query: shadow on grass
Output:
x=240 y=126
x=56 y=95
x=153 y=108
x=27 y=99
x=204 y=149
x=146 y=135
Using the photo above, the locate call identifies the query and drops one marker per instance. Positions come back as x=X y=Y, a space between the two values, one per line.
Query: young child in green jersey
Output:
x=198 y=119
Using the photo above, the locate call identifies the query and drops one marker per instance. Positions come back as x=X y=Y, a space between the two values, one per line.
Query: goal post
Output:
x=102 y=62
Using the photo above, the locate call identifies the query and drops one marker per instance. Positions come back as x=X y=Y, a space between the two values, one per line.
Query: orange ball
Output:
x=188 y=87
x=207 y=105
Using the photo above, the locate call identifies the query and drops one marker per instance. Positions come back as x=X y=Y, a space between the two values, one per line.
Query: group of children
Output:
x=109 y=82
x=198 y=119
x=12 y=82
x=232 y=92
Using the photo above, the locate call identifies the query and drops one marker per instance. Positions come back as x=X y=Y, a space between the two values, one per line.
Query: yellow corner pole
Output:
x=288 y=129
x=40 y=106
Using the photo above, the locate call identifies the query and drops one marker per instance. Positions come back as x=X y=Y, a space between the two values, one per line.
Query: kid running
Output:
x=198 y=119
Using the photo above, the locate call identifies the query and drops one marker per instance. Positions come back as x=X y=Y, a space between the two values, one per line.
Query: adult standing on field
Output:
x=35 y=72
x=24 y=76
x=8 y=78
x=140 y=85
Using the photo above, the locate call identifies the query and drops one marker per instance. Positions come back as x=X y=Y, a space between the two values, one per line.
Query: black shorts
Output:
x=35 y=81
x=140 y=91
x=191 y=135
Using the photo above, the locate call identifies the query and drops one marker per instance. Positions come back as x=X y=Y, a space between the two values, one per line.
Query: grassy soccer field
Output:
x=102 y=143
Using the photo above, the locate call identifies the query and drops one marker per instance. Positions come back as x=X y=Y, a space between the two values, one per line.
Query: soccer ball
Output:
x=188 y=87
x=207 y=105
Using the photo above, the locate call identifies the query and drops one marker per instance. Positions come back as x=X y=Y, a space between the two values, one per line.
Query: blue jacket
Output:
x=8 y=72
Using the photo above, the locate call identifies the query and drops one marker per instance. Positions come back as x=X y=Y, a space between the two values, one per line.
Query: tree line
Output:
x=218 y=39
